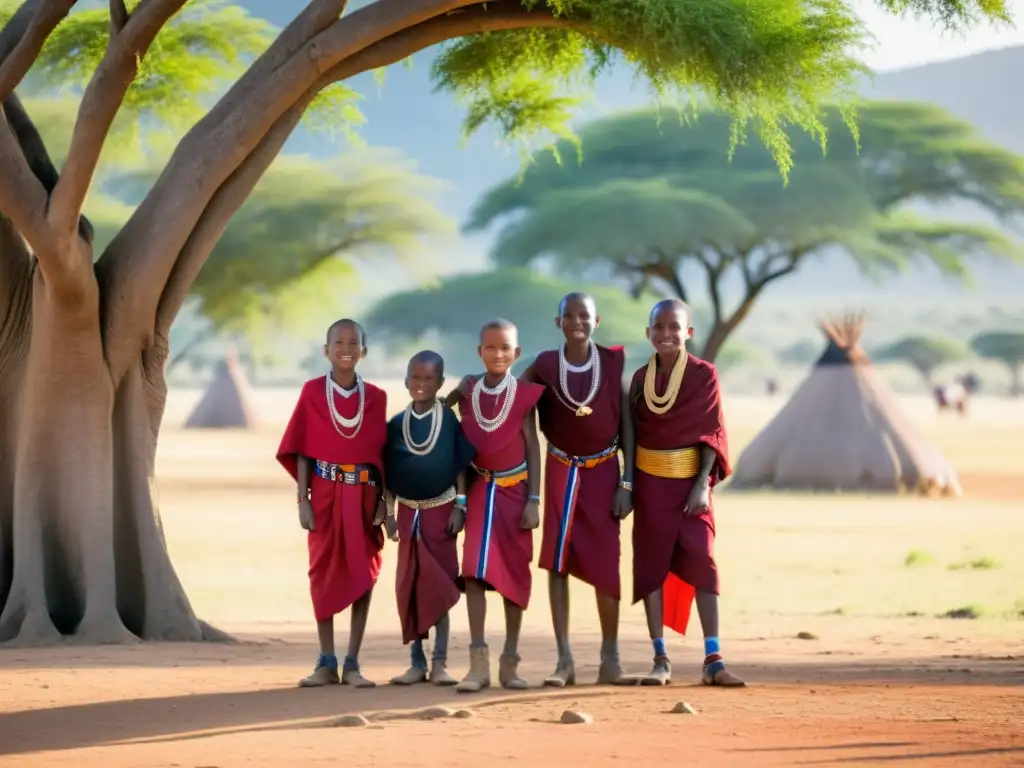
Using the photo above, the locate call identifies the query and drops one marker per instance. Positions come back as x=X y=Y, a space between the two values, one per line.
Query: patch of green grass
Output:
x=964 y=612
x=976 y=564
x=916 y=557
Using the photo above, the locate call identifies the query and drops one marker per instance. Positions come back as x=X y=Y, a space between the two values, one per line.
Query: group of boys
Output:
x=425 y=476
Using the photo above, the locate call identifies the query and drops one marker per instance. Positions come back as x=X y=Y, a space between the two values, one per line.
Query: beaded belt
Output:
x=505 y=478
x=438 y=501
x=348 y=474
x=585 y=462
x=680 y=464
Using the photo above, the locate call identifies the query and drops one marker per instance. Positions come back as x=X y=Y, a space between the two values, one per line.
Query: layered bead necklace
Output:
x=437 y=416
x=507 y=385
x=659 y=404
x=339 y=421
x=593 y=364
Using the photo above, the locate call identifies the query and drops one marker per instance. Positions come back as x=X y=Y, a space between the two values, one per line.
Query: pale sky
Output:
x=907 y=42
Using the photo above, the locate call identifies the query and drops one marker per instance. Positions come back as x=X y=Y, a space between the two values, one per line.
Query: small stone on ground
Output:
x=463 y=714
x=684 y=708
x=572 y=717
x=434 y=713
x=806 y=636
x=350 y=721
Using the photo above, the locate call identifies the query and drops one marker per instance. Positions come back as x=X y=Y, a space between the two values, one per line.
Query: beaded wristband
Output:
x=460 y=500
x=626 y=485
x=533 y=497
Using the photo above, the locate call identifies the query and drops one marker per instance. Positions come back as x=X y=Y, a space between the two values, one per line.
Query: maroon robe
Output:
x=666 y=541
x=427 y=582
x=581 y=530
x=495 y=549
x=344 y=545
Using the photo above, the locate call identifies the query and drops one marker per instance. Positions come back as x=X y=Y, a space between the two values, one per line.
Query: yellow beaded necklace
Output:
x=659 y=404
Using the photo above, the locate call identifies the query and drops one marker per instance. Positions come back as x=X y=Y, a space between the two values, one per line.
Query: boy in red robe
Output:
x=681 y=453
x=584 y=414
x=503 y=505
x=333 y=447
x=425 y=461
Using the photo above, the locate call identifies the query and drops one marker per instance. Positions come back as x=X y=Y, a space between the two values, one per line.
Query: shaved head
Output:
x=581 y=297
x=499 y=324
x=428 y=357
x=674 y=305
x=347 y=323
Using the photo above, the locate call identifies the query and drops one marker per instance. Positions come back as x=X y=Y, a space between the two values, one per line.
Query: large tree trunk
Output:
x=82 y=552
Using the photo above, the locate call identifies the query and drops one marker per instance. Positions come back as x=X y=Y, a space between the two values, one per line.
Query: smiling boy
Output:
x=499 y=419
x=425 y=459
x=333 y=448
x=681 y=453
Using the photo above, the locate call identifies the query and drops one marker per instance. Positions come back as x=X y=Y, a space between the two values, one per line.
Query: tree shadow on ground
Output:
x=189 y=716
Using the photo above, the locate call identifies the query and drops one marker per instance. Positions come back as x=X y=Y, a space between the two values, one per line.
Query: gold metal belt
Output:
x=437 y=501
x=679 y=464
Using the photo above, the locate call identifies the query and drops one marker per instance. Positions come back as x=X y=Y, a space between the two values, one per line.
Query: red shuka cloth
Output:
x=580 y=530
x=671 y=549
x=495 y=550
x=344 y=546
x=427 y=584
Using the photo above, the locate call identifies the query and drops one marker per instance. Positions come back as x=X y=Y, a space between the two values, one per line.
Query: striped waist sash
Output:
x=348 y=474
x=584 y=462
x=679 y=464
x=503 y=478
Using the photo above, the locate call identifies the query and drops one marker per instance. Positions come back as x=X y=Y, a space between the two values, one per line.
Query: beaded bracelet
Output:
x=533 y=497
x=460 y=500
x=626 y=485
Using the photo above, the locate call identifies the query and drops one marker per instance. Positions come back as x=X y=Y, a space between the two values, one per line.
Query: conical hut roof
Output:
x=227 y=402
x=843 y=430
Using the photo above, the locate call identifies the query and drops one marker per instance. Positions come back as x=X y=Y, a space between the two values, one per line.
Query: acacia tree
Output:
x=1008 y=348
x=925 y=354
x=660 y=203
x=84 y=339
x=457 y=306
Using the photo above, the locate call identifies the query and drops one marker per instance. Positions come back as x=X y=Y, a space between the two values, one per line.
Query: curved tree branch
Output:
x=16 y=65
x=372 y=37
x=118 y=17
x=315 y=18
x=100 y=103
x=225 y=204
x=482 y=17
x=22 y=195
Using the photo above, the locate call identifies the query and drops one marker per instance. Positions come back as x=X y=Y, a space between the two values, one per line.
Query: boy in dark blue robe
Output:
x=425 y=461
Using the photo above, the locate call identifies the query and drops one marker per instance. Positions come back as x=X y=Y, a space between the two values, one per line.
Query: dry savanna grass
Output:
x=850 y=615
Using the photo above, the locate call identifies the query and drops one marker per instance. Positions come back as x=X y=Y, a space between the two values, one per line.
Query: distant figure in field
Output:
x=772 y=387
x=956 y=395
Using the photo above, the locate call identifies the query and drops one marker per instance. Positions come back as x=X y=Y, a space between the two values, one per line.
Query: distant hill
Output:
x=406 y=114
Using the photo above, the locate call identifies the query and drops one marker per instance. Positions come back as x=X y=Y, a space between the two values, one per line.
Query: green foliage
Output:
x=1008 y=348
x=802 y=352
x=924 y=353
x=737 y=354
x=456 y=307
x=655 y=200
x=768 y=63
x=201 y=50
x=1005 y=346
x=288 y=257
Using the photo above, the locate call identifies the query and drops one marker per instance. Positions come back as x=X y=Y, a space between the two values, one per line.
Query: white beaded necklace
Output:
x=593 y=364
x=339 y=421
x=437 y=416
x=507 y=385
